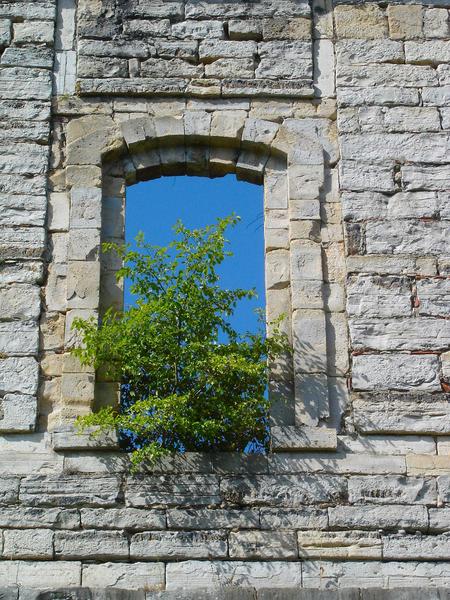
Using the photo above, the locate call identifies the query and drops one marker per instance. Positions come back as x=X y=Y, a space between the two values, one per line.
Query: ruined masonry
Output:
x=341 y=110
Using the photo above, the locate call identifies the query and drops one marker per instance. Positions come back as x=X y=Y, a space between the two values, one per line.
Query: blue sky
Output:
x=154 y=206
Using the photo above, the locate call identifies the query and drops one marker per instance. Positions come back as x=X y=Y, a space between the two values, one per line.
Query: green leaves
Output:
x=182 y=387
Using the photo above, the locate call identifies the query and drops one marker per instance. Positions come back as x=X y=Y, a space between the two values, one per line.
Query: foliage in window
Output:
x=183 y=387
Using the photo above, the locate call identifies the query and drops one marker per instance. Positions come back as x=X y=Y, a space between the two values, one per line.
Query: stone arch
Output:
x=288 y=163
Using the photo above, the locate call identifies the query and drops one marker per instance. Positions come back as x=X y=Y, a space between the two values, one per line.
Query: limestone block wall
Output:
x=340 y=110
x=26 y=45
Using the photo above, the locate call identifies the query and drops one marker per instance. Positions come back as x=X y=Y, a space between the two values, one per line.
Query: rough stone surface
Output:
x=17 y=413
x=342 y=110
x=395 y=372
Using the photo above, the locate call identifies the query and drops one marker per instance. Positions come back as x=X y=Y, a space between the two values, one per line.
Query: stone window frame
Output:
x=289 y=163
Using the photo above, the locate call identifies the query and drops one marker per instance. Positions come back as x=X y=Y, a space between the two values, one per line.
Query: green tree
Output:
x=183 y=389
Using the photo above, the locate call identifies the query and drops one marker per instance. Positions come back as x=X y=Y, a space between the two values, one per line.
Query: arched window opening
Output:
x=152 y=208
x=289 y=164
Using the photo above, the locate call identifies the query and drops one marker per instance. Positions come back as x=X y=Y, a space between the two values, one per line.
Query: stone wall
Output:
x=341 y=110
x=26 y=43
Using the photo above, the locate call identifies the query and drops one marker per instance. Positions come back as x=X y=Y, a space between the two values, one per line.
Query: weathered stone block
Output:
x=412 y=118
x=15 y=183
x=362 y=52
x=436 y=23
x=302 y=518
x=385 y=75
x=405 y=22
x=403 y=205
x=394 y=146
x=366 y=22
x=427 y=465
x=19 y=375
x=263 y=545
x=52 y=331
x=83 y=244
x=360 y=176
x=20 y=302
x=179 y=545
x=17 y=413
x=396 y=372
x=291 y=462
x=378 y=296
x=37 y=32
x=311 y=393
x=5 y=32
x=19 y=210
x=101 y=462
x=392 y=490
x=309 y=339
x=430 y=52
x=172 y=490
x=55 y=290
x=142 y=29
x=19 y=337
x=91 y=544
x=83 y=284
x=38 y=518
x=384 y=96
x=282 y=490
x=285 y=60
x=436 y=96
x=433 y=297
x=445 y=360
x=443 y=482
x=27 y=57
x=198 y=30
x=400 y=413
x=306 y=260
x=354 y=545
x=439 y=519
x=277 y=269
x=85 y=208
x=35 y=544
x=24 y=455
x=58 y=212
x=9 y=490
x=240 y=68
x=135 y=576
x=402 y=334
x=135 y=49
x=78 y=388
x=303 y=438
x=416 y=547
x=70 y=490
x=211 y=50
x=307 y=294
x=175 y=67
x=291 y=29
x=102 y=67
x=366 y=575
x=204 y=518
x=427 y=177
x=24 y=158
x=129 y=519
x=249 y=29
x=21 y=272
x=47 y=575
x=190 y=575
x=379 y=517
x=415 y=237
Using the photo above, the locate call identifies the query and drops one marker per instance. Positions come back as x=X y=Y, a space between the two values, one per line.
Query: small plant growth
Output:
x=183 y=387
